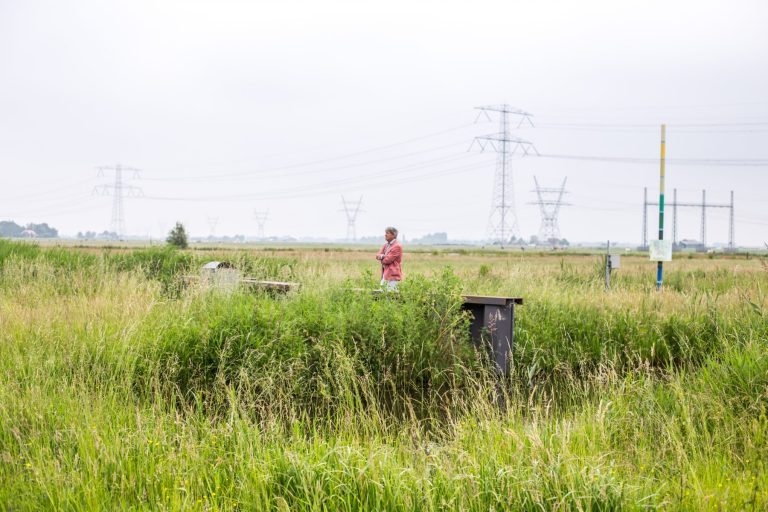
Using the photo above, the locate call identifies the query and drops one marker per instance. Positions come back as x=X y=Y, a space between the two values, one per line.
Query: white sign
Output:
x=661 y=250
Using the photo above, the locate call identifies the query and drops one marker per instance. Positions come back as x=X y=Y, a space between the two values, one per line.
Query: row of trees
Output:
x=177 y=237
x=10 y=229
x=90 y=235
x=534 y=240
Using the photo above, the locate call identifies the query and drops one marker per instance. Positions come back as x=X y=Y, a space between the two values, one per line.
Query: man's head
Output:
x=390 y=233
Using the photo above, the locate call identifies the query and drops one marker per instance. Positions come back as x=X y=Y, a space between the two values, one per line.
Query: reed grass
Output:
x=122 y=388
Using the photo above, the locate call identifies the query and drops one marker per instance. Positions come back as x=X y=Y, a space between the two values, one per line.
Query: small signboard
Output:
x=614 y=261
x=661 y=250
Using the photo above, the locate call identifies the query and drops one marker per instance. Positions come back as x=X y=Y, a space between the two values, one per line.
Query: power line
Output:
x=40 y=193
x=647 y=125
x=758 y=162
x=594 y=108
x=331 y=159
x=333 y=185
x=261 y=174
x=64 y=207
x=627 y=129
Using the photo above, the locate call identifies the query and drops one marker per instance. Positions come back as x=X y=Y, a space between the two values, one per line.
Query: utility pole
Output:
x=549 y=230
x=261 y=219
x=731 y=227
x=674 y=217
x=612 y=262
x=644 y=244
x=660 y=264
x=502 y=222
x=351 y=209
x=118 y=191
x=704 y=218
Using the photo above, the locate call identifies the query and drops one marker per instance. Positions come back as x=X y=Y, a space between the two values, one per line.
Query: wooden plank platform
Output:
x=281 y=286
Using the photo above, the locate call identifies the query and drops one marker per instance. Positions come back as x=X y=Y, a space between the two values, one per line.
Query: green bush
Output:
x=9 y=249
x=163 y=264
x=320 y=345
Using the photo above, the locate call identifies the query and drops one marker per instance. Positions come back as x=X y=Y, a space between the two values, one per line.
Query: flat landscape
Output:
x=126 y=384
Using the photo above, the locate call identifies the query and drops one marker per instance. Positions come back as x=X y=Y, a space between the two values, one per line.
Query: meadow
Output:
x=125 y=386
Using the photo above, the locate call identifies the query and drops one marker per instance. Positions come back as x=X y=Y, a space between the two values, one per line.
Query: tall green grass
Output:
x=122 y=386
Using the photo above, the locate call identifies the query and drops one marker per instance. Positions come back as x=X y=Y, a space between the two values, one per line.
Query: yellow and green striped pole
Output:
x=660 y=267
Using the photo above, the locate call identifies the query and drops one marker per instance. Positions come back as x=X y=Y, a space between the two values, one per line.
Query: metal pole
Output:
x=645 y=218
x=608 y=266
x=704 y=218
x=731 y=242
x=660 y=264
x=674 y=217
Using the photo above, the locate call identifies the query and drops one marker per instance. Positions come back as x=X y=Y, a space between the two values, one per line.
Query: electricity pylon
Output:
x=351 y=209
x=119 y=190
x=212 y=223
x=261 y=219
x=502 y=221
x=550 y=199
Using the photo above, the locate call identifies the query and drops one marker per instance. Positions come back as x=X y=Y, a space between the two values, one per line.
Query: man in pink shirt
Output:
x=391 y=256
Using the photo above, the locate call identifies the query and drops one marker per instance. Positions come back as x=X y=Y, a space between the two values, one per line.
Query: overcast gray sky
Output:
x=229 y=106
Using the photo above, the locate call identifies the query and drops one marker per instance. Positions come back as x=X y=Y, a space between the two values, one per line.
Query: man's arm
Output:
x=393 y=254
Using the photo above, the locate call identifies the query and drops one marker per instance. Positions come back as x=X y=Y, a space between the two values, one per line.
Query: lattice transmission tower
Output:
x=502 y=221
x=351 y=209
x=212 y=223
x=119 y=191
x=261 y=217
x=549 y=199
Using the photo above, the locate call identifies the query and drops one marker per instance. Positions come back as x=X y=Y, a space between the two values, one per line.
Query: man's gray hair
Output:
x=392 y=230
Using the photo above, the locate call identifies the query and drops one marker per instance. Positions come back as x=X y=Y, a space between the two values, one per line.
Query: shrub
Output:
x=163 y=264
x=320 y=346
x=177 y=237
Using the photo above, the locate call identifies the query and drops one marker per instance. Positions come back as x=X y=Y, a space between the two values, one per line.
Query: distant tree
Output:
x=13 y=230
x=534 y=239
x=177 y=237
x=10 y=229
x=43 y=230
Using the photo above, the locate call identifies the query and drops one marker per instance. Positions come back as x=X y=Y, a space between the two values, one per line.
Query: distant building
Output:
x=691 y=245
x=430 y=239
x=28 y=233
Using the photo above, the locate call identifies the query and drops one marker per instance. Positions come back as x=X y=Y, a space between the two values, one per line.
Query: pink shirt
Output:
x=390 y=264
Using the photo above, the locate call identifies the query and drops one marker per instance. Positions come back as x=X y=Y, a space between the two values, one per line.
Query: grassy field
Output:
x=123 y=386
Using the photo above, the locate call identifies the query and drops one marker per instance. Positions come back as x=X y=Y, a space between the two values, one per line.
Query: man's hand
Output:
x=379 y=256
